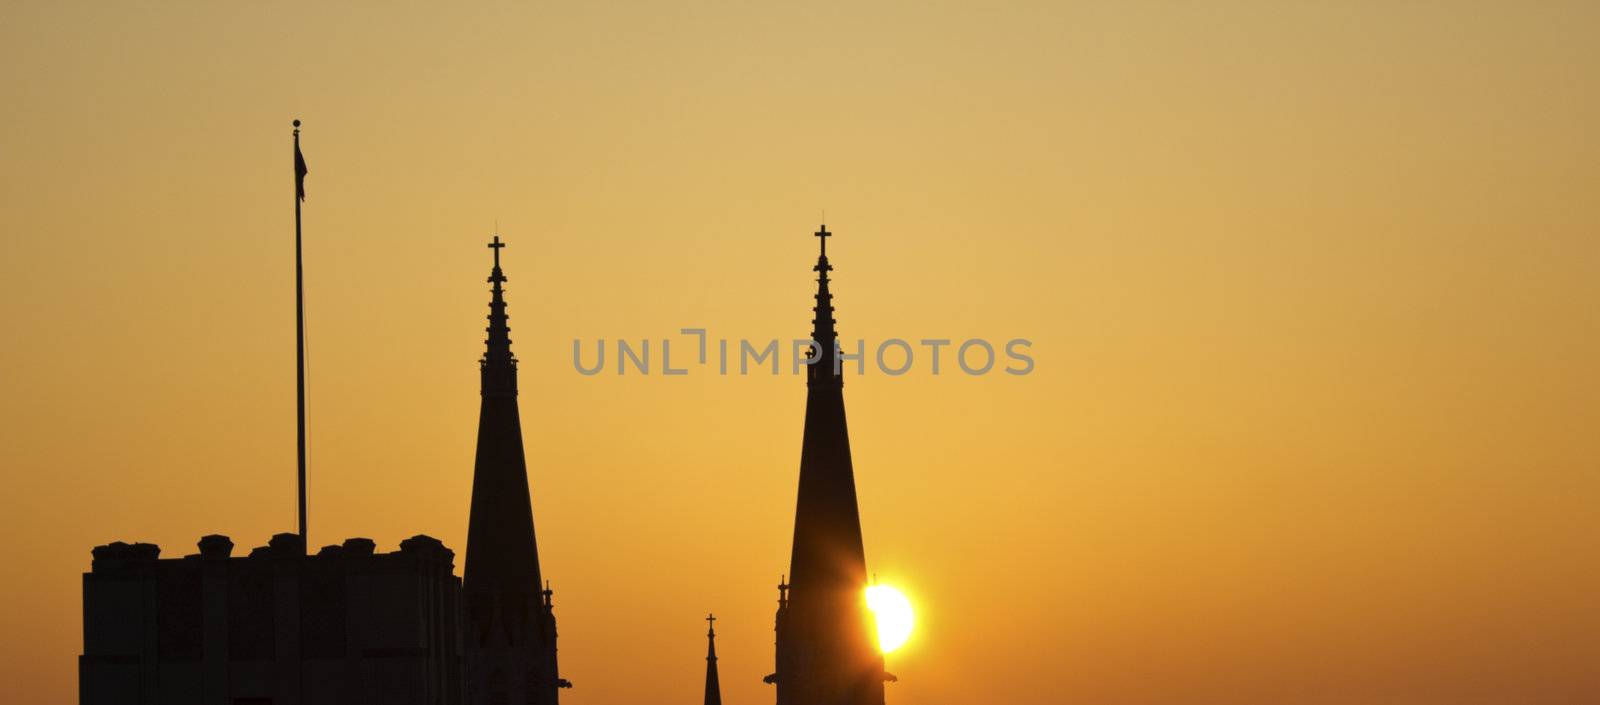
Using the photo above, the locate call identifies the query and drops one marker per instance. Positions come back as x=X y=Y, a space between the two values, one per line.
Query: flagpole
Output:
x=299 y=337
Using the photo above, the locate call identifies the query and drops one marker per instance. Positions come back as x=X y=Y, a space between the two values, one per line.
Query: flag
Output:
x=300 y=171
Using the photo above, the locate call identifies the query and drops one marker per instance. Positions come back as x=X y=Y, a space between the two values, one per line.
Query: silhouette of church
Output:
x=346 y=625
x=826 y=638
x=350 y=625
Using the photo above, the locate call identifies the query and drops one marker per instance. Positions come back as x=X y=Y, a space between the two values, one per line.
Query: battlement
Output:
x=217 y=627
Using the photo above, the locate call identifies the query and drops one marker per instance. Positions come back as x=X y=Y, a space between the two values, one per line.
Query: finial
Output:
x=495 y=245
x=711 y=622
x=823 y=234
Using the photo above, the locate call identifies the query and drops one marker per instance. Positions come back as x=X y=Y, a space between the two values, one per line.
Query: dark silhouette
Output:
x=346 y=625
x=713 y=686
x=827 y=641
x=300 y=172
x=510 y=622
x=351 y=625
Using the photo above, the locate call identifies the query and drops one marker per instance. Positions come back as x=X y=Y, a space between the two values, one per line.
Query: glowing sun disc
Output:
x=893 y=613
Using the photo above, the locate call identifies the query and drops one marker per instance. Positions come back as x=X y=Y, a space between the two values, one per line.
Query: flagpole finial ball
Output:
x=296 y=123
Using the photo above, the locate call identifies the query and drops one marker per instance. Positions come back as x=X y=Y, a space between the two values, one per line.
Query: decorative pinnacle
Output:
x=711 y=641
x=498 y=365
x=497 y=315
x=822 y=330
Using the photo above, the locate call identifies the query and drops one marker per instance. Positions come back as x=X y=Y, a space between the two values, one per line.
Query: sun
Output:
x=893 y=612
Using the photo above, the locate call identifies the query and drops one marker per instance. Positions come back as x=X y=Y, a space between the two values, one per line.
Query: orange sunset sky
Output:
x=1312 y=289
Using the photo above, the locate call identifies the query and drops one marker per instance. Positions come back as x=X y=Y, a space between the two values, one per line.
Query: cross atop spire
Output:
x=496 y=245
x=823 y=234
x=711 y=621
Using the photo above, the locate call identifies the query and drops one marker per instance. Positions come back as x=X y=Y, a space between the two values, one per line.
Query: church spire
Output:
x=826 y=648
x=510 y=620
x=713 y=686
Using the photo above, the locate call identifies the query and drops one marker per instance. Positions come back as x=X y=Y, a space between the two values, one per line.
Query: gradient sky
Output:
x=1312 y=289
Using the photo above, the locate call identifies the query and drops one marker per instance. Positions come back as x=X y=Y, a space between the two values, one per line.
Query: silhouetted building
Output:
x=713 y=685
x=346 y=625
x=277 y=627
x=826 y=639
x=510 y=623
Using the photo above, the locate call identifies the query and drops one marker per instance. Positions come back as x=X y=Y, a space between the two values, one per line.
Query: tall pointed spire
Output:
x=826 y=644
x=511 y=626
x=713 y=686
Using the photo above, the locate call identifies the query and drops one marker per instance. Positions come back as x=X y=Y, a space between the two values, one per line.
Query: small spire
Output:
x=713 y=684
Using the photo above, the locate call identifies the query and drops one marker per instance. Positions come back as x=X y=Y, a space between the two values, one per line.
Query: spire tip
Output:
x=823 y=235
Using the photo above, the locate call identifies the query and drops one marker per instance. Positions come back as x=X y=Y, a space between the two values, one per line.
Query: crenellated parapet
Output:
x=273 y=624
